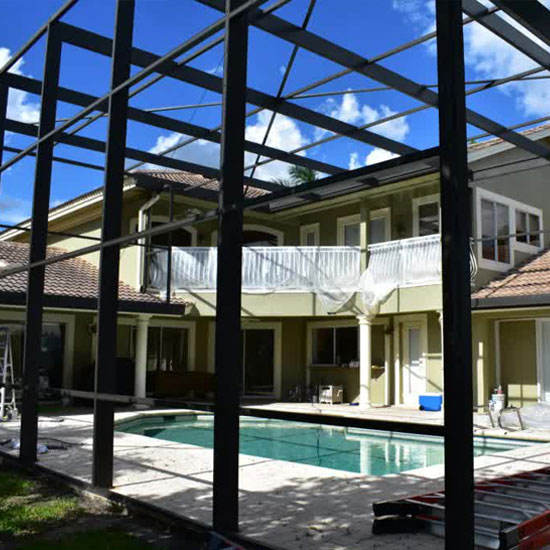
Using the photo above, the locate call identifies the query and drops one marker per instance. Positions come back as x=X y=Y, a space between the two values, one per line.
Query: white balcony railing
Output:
x=264 y=269
x=333 y=272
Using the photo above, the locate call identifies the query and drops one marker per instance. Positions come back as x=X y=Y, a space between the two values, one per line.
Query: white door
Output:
x=544 y=360
x=414 y=367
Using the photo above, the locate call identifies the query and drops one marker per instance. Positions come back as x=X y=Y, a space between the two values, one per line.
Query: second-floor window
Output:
x=528 y=228
x=495 y=231
x=379 y=230
x=349 y=231
x=426 y=215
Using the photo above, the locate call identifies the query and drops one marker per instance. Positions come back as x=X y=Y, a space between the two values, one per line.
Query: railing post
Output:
x=105 y=369
x=455 y=233
x=38 y=244
x=228 y=288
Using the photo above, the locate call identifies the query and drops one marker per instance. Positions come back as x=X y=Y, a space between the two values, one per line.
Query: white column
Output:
x=141 y=355
x=365 y=359
x=442 y=354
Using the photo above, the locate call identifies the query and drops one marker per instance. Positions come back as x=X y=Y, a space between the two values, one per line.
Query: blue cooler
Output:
x=430 y=401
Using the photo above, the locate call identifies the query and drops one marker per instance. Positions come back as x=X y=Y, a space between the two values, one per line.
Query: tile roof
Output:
x=473 y=147
x=74 y=277
x=530 y=278
x=192 y=181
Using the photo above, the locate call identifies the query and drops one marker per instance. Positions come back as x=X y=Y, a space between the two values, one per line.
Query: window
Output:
x=254 y=237
x=495 y=230
x=349 y=231
x=309 y=235
x=168 y=349
x=426 y=216
x=528 y=228
x=335 y=345
x=379 y=226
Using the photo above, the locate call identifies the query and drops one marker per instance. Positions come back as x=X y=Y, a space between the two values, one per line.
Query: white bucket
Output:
x=498 y=401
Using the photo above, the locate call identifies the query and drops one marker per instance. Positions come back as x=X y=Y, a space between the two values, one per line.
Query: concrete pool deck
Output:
x=285 y=504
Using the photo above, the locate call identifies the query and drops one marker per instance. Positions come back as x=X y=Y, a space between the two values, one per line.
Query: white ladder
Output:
x=7 y=390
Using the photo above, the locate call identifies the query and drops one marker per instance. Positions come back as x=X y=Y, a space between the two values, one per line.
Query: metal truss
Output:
x=232 y=29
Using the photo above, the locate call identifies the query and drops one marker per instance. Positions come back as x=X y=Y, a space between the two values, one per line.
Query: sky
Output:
x=367 y=27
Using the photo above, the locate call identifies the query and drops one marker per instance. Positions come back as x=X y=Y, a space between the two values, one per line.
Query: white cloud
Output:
x=200 y=151
x=492 y=57
x=379 y=155
x=14 y=210
x=375 y=156
x=354 y=163
x=19 y=106
x=487 y=54
x=351 y=111
x=285 y=135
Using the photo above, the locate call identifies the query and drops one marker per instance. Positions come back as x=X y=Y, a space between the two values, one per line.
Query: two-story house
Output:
x=340 y=286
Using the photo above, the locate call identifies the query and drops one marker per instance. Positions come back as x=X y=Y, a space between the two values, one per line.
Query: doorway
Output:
x=414 y=362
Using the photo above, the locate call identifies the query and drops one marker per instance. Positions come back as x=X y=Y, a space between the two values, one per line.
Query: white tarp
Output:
x=333 y=273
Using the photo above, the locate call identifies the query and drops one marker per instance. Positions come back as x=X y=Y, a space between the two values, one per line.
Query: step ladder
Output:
x=511 y=513
x=8 y=408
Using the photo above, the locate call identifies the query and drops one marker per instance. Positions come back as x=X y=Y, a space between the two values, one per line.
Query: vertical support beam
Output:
x=105 y=369
x=456 y=227
x=3 y=115
x=39 y=229
x=228 y=291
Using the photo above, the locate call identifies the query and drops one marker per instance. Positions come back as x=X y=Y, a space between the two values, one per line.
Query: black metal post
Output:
x=455 y=232
x=38 y=243
x=3 y=114
x=105 y=369
x=228 y=290
x=169 y=258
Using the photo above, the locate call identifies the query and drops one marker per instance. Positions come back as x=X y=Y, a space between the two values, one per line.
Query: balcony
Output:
x=308 y=269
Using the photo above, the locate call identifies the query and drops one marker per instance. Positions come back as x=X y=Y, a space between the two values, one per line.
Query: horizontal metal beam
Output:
x=93 y=144
x=141 y=58
x=74 y=97
x=56 y=301
x=332 y=52
x=288 y=416
x=369 y=179
x=36 y=37
x=155 y=66
x=504 y=30
x=533 y=15
x=63 y=160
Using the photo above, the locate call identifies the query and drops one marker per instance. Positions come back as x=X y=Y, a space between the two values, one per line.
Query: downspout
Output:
x=142 y=242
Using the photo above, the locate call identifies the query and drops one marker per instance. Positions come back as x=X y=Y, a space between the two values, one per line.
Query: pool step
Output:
x=511 y=513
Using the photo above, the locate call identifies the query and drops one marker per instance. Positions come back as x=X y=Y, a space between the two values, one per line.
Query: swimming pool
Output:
x=350 y=449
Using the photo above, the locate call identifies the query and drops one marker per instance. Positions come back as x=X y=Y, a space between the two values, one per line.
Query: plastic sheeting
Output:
x=333 y=273
x=264 y=269
x=399 y=263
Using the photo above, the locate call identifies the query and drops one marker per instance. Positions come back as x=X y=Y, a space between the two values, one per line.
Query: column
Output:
x=365 y=359
x=142 y=330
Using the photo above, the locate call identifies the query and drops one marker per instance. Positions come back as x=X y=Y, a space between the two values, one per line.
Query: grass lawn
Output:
x=36 y=514
x=91 y=540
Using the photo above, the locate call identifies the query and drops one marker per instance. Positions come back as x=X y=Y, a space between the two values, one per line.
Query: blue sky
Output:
x=367 y=27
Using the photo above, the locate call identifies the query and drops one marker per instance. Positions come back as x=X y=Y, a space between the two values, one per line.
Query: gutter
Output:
x=142 y=242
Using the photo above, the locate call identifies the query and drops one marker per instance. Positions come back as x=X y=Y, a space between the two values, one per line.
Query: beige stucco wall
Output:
x=518 y=362
x=518 y=349
x=434 y=370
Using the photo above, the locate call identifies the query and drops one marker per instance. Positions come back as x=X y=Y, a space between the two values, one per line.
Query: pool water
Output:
x=350 y=449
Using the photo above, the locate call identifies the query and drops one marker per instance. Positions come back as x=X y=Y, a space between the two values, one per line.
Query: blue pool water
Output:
x=350 y=449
